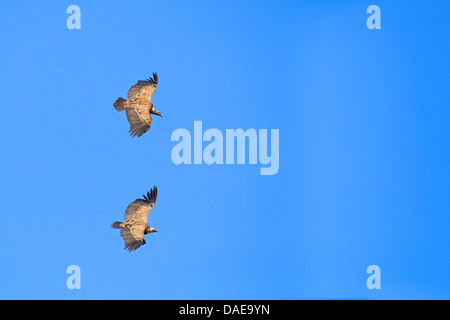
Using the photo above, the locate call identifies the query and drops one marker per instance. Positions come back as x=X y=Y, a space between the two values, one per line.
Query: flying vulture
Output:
x=135 y=225
x=139 y=106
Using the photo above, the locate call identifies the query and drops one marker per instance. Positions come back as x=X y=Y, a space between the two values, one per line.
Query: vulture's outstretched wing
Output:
x=139 y=118
x=143 y=89
x=133 y=236
x=139 y=210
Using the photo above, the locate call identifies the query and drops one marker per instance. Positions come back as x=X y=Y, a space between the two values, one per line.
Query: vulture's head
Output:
x=157 y=113
x=154 y=111
x=152 y=230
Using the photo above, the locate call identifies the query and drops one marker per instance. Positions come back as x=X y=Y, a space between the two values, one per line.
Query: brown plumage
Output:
x=135 y=225
x=139 y=106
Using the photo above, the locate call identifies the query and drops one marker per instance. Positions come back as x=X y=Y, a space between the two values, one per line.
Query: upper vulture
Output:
x=139 y=105
x=135 y=225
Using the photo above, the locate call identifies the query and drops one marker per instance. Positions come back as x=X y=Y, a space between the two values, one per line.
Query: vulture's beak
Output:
x=158 y=113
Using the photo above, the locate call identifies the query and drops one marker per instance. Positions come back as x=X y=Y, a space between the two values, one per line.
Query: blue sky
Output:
x=364 y=149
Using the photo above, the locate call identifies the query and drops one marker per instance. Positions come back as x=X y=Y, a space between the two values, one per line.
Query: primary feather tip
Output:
x=151 y=195
x=154 y=79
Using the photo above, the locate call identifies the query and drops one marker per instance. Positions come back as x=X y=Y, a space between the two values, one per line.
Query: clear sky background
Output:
x=364 y=149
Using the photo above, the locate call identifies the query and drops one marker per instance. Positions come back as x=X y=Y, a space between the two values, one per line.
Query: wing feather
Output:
x=139 y=118
x=133 y=236
x=140 y=208
x=143 y=89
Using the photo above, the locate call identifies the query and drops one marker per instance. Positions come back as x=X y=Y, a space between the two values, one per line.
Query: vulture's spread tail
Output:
x=120 y=104
x=116 y=225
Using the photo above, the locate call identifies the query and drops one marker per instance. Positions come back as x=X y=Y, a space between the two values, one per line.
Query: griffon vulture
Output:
x=135 y=225
x=139 y=106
